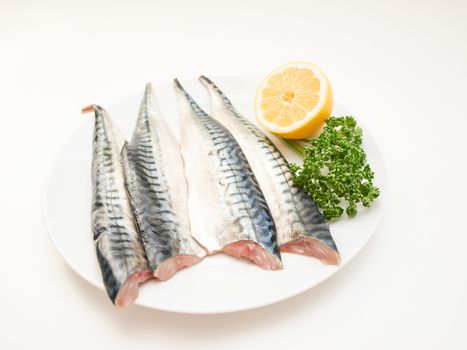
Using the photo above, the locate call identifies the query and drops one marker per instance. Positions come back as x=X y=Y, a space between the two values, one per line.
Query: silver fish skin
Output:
x=301 y=228
x=155 y=181
x=228 y=212
x=119 y=249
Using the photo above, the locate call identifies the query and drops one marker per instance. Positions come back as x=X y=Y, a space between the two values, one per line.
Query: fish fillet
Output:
x=153 y=169
x=119 y=249
x=300 y=226
x=227 y=210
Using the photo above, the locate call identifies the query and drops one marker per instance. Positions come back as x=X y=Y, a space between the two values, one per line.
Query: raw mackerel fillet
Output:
x=120 y=252
x=153 y=169
x=227 y=210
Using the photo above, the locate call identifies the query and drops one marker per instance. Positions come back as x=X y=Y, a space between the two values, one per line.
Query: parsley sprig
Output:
x=335 y=172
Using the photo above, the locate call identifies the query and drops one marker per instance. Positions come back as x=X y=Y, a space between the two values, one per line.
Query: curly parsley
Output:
x=334 y=171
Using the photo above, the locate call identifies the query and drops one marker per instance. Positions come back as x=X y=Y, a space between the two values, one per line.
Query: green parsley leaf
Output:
x=334 y=171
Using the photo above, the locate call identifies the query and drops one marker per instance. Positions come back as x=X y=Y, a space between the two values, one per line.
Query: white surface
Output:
x=399 y=65
x=218 y=284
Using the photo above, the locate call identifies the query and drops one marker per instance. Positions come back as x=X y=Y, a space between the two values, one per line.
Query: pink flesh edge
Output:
x=312 y=247
x=129 y=291
x=254 y=252
x=170 y=266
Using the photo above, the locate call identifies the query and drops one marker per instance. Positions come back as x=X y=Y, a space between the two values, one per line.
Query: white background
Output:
x=400 y=66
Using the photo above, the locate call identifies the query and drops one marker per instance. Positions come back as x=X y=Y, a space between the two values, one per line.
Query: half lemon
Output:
x=294 y=100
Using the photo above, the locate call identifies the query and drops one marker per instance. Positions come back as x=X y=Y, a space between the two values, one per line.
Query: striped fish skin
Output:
x=301 y=228
x=119 y=249
x=154 y=177
x=228 y=212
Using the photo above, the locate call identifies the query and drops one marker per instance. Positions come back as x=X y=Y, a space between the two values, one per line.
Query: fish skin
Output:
x=235 y=218
x=153 y=170
x=119 y=249
x=298 y=220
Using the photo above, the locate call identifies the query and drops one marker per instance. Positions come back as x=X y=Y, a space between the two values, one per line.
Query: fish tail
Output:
x=144 y=109
x=215 y=91
x=88 y=109
x=187 y=97
x=178 y=87
x=92 y=108
x=148 y=89
x=206 y=81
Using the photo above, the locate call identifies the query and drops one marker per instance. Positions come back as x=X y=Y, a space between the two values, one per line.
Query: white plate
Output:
x=220 y=283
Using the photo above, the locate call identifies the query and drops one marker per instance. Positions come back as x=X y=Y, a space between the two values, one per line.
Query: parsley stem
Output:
x=295 y=146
